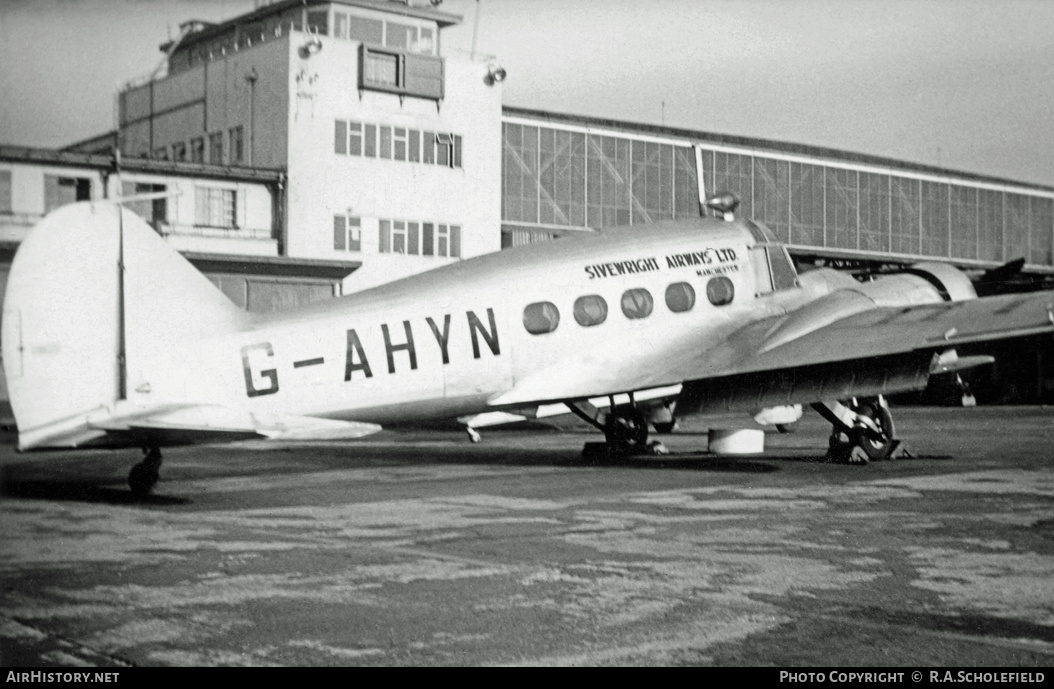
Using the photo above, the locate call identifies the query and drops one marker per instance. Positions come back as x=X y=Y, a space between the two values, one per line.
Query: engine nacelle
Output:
x=950 y=282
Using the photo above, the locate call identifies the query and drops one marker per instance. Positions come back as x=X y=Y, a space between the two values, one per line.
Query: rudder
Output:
x=74 y=324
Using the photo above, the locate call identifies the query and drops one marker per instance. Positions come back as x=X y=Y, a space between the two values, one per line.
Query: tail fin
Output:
x=90 y=288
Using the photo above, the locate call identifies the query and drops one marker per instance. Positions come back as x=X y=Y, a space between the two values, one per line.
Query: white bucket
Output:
x=746 y=441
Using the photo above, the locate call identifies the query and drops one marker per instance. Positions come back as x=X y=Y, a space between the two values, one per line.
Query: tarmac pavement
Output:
x=418 y=548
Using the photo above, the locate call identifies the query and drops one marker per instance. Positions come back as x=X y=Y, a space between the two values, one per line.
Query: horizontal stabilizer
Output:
x=213 y=422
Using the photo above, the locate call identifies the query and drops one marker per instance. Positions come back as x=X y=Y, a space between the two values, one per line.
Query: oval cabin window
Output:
x=541 y=317
x=720 y=291
x=590 y=310
x=637 y=303
x=680 y=297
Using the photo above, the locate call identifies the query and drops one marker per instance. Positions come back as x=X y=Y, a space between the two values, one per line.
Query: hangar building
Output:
x=311 y=148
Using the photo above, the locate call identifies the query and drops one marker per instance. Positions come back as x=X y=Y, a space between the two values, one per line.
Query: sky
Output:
x=964 y=84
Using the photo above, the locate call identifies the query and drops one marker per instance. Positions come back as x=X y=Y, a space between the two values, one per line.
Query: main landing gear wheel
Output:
x=143 y=476
x=862 y=430
x=626 y=432
x=879 y=443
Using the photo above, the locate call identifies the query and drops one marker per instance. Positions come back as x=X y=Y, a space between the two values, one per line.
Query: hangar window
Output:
x=236 y=136
x=58 y=191
x=399 y=36
x=398 y=237
x=347 y=233
x=370 y=141
x=216 y=148
x=680 y=297
x=720 y=291
x=318 y=22
x=380 y=69
x=541 y=317
x=590 y=310
x=155 y=210
x=340 y=25
x=215 y=207
x=340 y=137
x=415 y=146
x=386 y=142
x=419 y=238
x=366 y=30
x=448 y=241
x=637 y=303
x=5 y=191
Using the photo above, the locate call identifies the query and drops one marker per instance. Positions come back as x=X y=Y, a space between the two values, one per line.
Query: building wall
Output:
x=324 y=183
x=246 y=87
x=27 y=187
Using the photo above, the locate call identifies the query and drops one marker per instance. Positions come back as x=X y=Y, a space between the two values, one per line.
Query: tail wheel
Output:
x=878 y=446
x=143 y=476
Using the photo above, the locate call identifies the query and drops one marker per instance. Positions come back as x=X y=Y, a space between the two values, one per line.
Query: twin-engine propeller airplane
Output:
x=111 y=337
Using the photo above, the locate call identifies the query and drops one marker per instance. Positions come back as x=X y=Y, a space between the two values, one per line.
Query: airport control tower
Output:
x=391 y=148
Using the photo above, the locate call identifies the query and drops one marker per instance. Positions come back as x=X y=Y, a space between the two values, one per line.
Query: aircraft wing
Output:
x=804 y=337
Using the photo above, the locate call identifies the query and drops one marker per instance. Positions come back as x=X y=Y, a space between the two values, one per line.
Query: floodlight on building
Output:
x=495 y=74
x=311 y=47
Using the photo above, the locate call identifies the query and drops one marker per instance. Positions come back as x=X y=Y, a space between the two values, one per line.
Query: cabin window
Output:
x=637 y=303
x=399 y=143
x=590 y=310
x=680 y=297
x=541 y=317
x=340 y=25
x=179 y=151
x=197 y=150
x=720 y=291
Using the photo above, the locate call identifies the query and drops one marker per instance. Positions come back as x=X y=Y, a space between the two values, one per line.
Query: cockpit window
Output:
x=773 y=269
x=783 y=274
